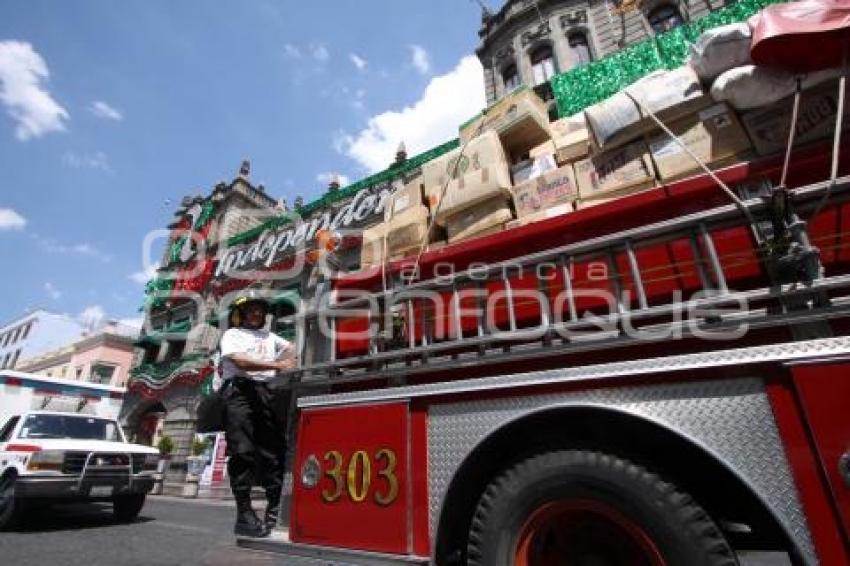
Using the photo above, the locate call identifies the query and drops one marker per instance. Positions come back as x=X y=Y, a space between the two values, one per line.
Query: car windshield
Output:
x=67 y=426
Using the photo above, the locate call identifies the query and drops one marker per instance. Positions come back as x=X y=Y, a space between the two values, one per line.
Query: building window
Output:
x=15 y=357
x=175 y=350
x=17 y=334
x=27 y=331
x=510 y=78
x=664 y=18
x=78 y=373
x=6 y=360
x=102 y=373
x=580 y=47
x=542 y=64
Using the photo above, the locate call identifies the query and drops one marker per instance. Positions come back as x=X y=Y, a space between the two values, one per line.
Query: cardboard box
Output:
x=551 y=188
x=521 y=120
x=714 y=135
x=373 y=246
x=545 y=148
x=615 y=172
x=668 y=94
x=533 y=167
x=407 y=230
x=550 y=212
x=485 y=217
x=481 y=173
x=768 y=126
x=588 y=203
x=571 y=138
x=404 y=199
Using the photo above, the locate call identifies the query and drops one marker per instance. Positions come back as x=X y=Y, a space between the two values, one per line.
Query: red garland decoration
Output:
x=195 y=377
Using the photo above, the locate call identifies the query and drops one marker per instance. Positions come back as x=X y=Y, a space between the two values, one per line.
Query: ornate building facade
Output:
x=530 y=41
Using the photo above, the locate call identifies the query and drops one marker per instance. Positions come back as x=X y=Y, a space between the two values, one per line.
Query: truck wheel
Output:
x=9 y=506
x=126 y=508
x=578 y=507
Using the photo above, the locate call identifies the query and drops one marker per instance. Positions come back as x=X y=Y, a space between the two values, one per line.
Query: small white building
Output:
x=35 y=333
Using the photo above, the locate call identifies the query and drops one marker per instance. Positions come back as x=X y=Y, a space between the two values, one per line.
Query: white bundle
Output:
x=720 y=49
x=753 y=86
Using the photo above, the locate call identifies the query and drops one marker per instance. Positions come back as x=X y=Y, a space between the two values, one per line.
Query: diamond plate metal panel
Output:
x=731 y=419
x=722 y=358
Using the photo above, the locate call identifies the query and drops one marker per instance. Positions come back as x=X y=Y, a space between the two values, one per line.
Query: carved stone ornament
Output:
x=506 y=52
x=574 y=18
x=532 y=36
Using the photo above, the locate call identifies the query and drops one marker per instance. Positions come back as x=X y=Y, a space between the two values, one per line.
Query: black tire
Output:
x=10 y=507
x=126 y=508
x=596 y=505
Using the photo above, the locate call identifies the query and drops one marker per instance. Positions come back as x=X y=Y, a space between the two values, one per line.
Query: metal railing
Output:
x=401 y=326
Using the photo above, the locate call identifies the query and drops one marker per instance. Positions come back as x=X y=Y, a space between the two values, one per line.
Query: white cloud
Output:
x=291 y=51
x=103 y=110
x=52 y=291
x=448 y=101
x=420 y=59
x=320 y=52
x=358 y=103
x=11 y=220
x=143 y=276
x=325 y=179
x=97 y=160
x=358 y=61
x=22 y=73
x=92 y=316
x=84 y=249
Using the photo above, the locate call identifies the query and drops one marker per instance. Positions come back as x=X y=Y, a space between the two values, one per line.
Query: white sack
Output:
x=720 y=49
x=753 y=86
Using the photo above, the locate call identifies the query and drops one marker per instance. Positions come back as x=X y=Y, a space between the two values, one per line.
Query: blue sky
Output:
x=110 y=112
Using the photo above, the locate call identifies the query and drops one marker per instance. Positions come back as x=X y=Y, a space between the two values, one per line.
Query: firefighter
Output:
x=250 y=359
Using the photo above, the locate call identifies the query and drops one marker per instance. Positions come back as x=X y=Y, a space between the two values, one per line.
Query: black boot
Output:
x=247 y=522
x=272 y=511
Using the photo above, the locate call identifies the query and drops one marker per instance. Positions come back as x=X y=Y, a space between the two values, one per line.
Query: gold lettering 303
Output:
x=356 y=477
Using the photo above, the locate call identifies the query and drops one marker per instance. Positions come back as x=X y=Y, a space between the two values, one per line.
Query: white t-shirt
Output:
x=259 y=344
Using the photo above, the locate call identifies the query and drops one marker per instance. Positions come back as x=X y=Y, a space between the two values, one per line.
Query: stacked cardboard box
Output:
x=534 y=197
x=614 y=173
x=457 y=182
x=485 y=218
x=768 y=127
x=407 y=231
x=714 y=135
x=373 y=247
x=521 y=120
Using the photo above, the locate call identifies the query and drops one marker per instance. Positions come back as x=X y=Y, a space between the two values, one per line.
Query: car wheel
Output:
x=126 y=508
x=579 y=507
x=9 y=506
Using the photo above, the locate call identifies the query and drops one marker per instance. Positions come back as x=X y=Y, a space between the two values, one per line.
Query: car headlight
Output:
x=151 y=462
x=47 y=460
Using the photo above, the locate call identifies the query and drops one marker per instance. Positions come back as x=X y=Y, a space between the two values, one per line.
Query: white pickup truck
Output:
x=60 y=441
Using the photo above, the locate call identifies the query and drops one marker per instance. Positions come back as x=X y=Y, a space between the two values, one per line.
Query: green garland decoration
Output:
x=158 y=372
x=207 y=213
x=388 y=175
x=586 y=85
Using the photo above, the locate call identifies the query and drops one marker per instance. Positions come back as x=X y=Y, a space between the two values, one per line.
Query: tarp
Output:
x=803 y=36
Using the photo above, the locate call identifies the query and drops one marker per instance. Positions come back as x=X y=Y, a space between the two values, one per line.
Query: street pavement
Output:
x=169 y=531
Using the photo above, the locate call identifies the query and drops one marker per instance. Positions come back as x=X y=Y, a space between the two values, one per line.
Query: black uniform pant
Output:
x=256 y=442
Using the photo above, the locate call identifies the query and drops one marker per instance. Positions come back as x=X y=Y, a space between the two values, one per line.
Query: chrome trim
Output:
x=783 y=352
x=325 y=555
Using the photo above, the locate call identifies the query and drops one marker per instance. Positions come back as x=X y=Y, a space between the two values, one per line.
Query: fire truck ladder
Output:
x=403 y=340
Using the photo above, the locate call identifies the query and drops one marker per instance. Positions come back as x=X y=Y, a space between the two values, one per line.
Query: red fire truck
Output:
x=660 y=379
x=702 y=418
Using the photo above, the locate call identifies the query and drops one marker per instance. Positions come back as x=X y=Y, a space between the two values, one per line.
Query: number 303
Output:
x=358 y=476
